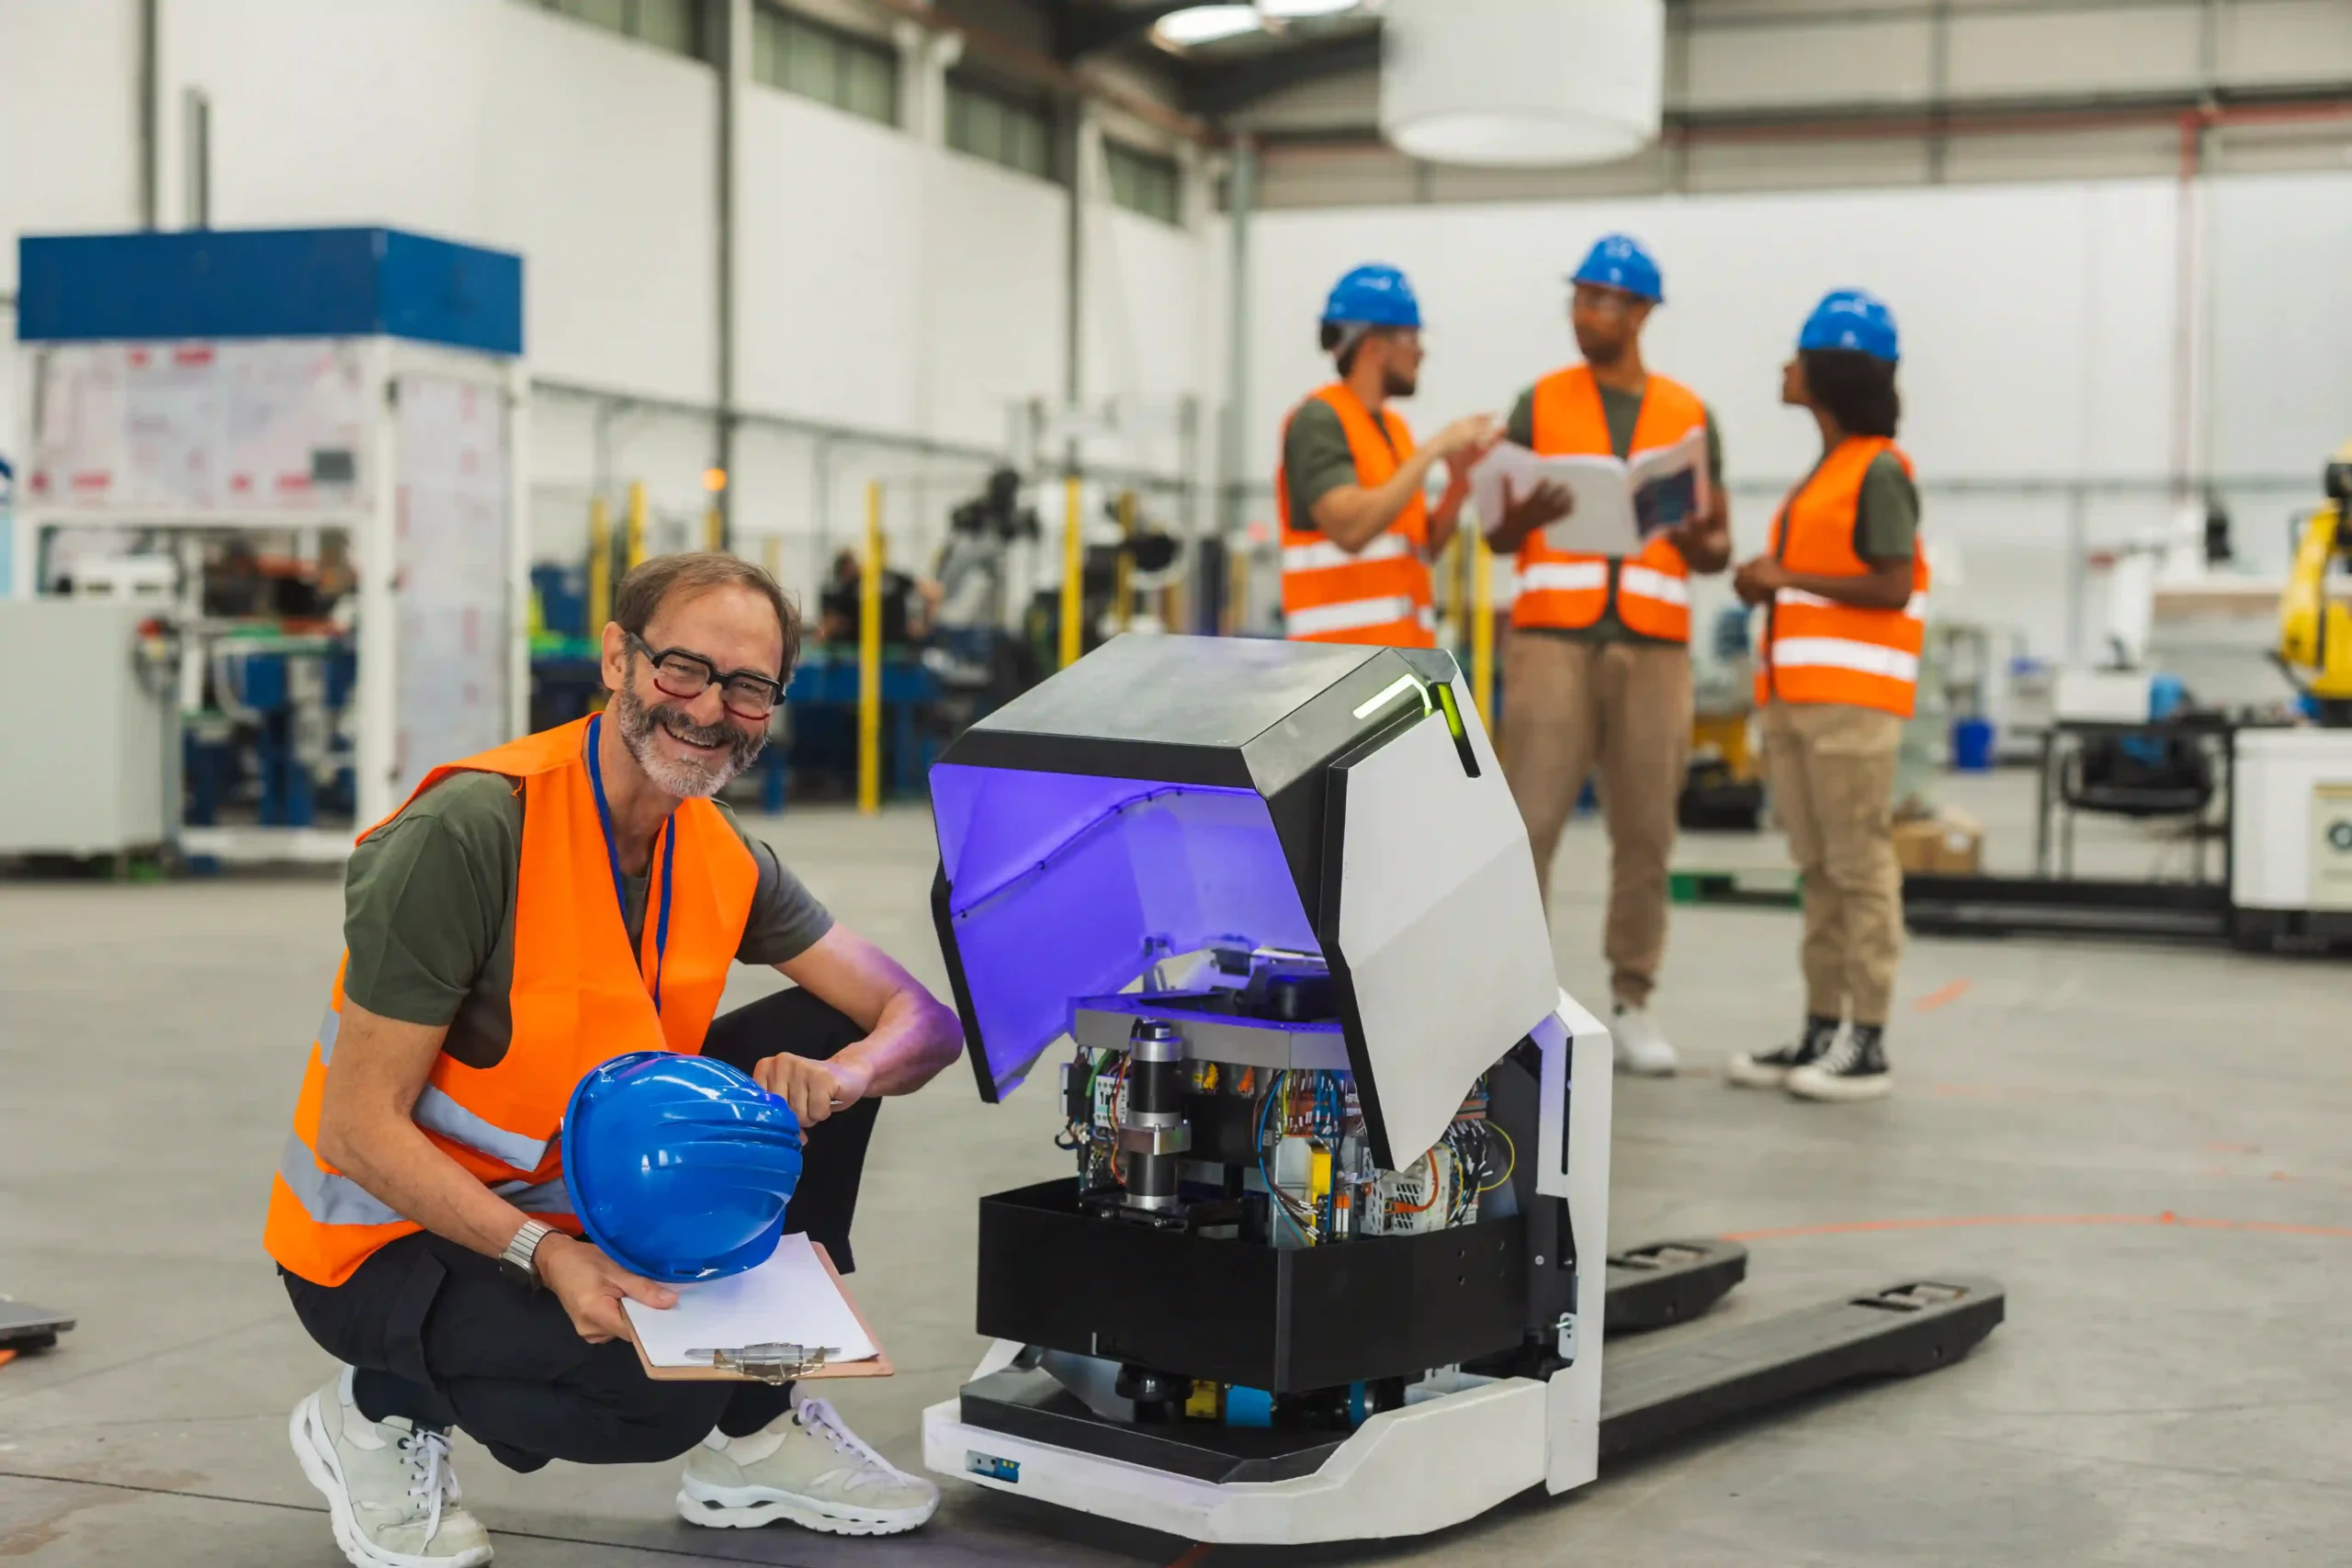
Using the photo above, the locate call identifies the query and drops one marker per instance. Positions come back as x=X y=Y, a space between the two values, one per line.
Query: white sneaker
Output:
x=1641 y=1048
x=388 y=1487
x=807 y=1467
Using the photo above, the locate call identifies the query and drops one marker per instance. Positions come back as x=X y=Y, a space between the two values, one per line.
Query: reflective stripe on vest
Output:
x=1816 y=650
x=1381 y=593
x=1569 y=590
x=579 y=997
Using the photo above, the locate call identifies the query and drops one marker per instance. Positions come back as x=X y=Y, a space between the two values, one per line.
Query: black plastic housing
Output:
x=1283 y=1319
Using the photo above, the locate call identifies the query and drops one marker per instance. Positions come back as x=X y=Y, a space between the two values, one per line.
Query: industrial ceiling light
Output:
x=1291 y=10
x=1521 y=82
x=1207 y=24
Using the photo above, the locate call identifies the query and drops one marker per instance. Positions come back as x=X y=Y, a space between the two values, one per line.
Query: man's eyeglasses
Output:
x=678 y=674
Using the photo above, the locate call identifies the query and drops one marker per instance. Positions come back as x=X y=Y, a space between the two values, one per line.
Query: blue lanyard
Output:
x=613 y=858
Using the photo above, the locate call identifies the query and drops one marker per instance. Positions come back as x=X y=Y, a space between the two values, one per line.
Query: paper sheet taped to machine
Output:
x=792 y=1298
x=1620 y=503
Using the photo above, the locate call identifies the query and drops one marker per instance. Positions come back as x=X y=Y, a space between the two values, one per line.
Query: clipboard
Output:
x=875 y=1366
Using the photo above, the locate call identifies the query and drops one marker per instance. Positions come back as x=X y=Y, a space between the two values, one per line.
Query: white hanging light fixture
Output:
x=1291 y=10
x=1521 y=82
x=1207 y=24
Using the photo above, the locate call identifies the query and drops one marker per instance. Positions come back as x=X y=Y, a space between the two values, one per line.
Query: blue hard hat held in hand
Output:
x=679 y=1166
x=1855 y=319
x=1372 y=296
x=1619 y=261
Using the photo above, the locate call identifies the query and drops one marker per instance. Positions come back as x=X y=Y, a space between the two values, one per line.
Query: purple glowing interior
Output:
x=1065 y=886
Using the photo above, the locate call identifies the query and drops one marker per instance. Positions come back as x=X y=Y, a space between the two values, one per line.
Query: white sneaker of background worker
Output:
x=1597 y=673
x=1844 y=588
x=418 y=1217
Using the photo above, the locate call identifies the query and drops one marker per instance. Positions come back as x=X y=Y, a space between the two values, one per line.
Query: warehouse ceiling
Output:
x=1222 y=59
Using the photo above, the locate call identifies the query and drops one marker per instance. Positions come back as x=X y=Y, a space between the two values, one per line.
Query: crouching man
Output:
x=530 y=913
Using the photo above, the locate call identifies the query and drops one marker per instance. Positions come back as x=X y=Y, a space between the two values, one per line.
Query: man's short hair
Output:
x=644 y=590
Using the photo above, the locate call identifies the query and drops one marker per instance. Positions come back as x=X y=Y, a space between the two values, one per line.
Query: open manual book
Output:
x=1620 y=501
x=788 y=1318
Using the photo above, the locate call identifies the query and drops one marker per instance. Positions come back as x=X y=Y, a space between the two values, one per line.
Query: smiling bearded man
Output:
x=419 y=1216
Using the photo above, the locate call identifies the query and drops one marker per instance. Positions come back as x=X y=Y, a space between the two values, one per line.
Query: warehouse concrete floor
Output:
x=2162 y=1393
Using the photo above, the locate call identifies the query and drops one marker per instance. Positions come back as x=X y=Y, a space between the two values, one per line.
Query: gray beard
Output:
x=683 y=776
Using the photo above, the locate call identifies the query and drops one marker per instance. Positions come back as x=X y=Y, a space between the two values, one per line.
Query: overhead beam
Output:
x=1227 y=89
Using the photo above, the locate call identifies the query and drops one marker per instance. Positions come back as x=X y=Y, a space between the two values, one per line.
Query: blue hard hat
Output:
x=679 y=1166
x=1374 y=295
x=1852 y=319
x=1619 y=261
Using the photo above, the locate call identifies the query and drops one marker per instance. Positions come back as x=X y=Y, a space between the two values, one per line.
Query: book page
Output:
x=1603 y=521
x=788 y=1300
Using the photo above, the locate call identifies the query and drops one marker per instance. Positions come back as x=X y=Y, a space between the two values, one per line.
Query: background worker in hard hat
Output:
x=1843 y=587
x=1596 y=675
x=528 y=915
x=1358 y=531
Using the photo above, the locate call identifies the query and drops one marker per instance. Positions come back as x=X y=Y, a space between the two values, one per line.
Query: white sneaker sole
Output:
x=1746 y=1071
x=306 y=1431
x=750 y=1507
x=1805 y=1083
x=1651 y=1067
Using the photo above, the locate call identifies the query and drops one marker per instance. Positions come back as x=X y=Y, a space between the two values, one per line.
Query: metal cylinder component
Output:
x=1154 y=1115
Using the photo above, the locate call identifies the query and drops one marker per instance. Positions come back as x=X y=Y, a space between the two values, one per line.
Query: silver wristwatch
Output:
x=515 y=1262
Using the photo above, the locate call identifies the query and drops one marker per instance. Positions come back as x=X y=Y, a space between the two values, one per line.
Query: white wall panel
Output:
x=68 y=123
x=2281 y=322
x=2285 y=41
x=2014 y=53
x=1781 y=65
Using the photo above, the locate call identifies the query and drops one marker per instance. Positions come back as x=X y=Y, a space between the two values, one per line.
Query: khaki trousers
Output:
x=1831 y=768
x=1623 y=709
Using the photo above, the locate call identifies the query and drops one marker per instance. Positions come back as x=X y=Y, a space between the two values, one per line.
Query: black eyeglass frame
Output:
x=712 y=676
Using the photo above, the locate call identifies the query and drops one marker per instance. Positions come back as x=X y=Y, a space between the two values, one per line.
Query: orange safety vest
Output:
x=1381 y=593
x=1815 y=651
x=579 y=999
x=1569 y=590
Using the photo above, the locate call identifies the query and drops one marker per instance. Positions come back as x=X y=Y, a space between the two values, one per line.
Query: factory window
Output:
x=1145 y=181
x=665 y=24
x=860 y=75
x=990 y=123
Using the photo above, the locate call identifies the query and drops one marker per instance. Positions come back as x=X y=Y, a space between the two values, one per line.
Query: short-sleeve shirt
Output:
x=1317 y=460
x=1621 y=410
x=429 y=913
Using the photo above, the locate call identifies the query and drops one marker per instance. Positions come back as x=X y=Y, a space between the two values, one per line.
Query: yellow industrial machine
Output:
x=2315 y=631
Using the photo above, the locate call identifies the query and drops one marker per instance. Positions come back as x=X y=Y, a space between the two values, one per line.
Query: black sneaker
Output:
x=1772 y=1070
x=1855 y=1069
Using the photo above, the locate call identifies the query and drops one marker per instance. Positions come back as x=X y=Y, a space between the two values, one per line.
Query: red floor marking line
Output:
x=1942 y=996
x=1969 y=1221
x=1199 y=1551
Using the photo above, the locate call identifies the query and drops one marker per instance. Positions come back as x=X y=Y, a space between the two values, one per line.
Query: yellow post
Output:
x=1237 y=591
x=1073 y=571
x=772 y=555
x=636 y=523
x=1482 y=629
x=600 y=566
x=712 y=530
x=869 y=658
x=1127 y=589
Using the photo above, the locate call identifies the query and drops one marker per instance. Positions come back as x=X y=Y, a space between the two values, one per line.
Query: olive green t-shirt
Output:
x=1316 y=459
x=429 y=913
x=1621 y=410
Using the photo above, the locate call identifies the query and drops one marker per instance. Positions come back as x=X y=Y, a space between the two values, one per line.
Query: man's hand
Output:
x=1758 y=579
x=814 y=1089
x=1523 y=515
x=1470 y=434
x=592 y=1287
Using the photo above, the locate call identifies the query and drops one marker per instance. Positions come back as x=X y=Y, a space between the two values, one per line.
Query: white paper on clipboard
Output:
x=790 y=1299
x=1620 y=503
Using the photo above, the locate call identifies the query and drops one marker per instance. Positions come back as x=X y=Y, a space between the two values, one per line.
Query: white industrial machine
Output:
x=1330 y=1262
x=107 y=782
x=351 y=402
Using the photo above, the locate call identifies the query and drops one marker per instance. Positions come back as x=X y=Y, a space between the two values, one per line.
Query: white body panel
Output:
x=1403 y=1472
x=2288 y=788
x=109 y=798
x=1444 y=930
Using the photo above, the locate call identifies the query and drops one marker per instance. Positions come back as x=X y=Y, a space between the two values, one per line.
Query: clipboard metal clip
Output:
x=770 y=1362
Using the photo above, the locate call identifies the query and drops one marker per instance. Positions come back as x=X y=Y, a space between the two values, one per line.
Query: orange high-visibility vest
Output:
x=1569 y=590
x=580 y=998
x=1381 y=593
x=1815 y=651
